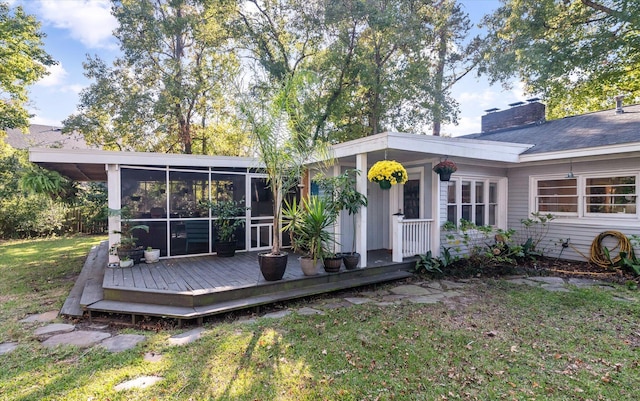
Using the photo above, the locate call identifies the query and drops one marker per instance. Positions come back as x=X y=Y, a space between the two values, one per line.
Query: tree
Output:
x=376 y=65
x=23 y=62
x=576 y=54
x=165 y=89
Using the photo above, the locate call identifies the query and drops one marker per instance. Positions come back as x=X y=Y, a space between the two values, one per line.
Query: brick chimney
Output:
x=519 y=114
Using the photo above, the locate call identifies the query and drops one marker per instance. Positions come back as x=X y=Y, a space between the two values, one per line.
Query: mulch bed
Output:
x=545 y=267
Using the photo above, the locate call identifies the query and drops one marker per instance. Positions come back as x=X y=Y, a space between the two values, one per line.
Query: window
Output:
x=558 y=196
x=587 y=196
x=610 y=195
x=475 y=200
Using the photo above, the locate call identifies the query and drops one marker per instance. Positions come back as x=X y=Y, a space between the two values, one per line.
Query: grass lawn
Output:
x=510 y=342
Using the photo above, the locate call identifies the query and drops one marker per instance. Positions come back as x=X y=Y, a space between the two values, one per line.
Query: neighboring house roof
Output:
x=45 y=136
x=602 y=128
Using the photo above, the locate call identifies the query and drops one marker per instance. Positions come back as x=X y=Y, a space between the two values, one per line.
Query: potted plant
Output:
x=444 y=169
x=344 y=196
x=387 y=173
x=230 y=215
x=307 y=223
x=126 y=261
x=128 y=246
x=283 y=146
x=151 y=255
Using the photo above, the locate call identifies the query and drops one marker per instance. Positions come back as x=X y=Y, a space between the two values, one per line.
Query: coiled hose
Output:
x=599 y=256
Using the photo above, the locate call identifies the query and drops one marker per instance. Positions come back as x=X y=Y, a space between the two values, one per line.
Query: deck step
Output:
x=184 y=312
x=92 y=272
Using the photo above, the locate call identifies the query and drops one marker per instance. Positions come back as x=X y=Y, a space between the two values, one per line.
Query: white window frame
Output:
x=501 y=201
x=581 y=180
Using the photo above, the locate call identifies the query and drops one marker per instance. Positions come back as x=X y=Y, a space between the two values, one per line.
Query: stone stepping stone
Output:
x=411 y=290
x=187 y=337
x=394 y=298
x=588 y=282
x=358 y=300
x=41 y=317
x=427 y=299
x=306 y=311
x=55 y=328
x=453 y=285
x=5 y=348
x=122 y=342
x=78 y=338
x=548 y=280
x=524 y=281
x=140 y=382
x=277 y=315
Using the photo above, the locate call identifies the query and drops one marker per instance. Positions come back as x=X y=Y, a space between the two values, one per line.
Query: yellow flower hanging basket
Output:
x=387 y=173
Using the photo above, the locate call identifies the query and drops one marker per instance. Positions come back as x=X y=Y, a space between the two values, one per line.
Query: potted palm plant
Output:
x=283 y=146
x=307 y=223
x=230 y=216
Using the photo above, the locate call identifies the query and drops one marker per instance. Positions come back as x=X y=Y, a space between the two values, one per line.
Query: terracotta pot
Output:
x=273 y=267
x=309 y=266
x=332 y=265
x=225 y=249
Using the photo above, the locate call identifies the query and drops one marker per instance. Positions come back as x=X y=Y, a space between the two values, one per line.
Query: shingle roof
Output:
x=44 y=136
x=602 y=128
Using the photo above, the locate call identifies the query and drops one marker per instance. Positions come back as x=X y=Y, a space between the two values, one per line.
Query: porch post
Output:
x=397 y=238
x=337 y=227
x=113 y=202
x=436 y=210
x=361 y=217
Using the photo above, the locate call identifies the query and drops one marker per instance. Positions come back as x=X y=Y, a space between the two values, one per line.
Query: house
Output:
x=44 y=136
x=583 y=169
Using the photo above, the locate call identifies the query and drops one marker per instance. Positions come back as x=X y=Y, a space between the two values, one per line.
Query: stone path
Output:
x=427 y=292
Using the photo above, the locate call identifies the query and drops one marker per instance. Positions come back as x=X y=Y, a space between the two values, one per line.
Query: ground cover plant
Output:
x=496 y=340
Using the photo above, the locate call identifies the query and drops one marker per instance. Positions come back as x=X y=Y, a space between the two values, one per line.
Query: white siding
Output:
x=580 y=231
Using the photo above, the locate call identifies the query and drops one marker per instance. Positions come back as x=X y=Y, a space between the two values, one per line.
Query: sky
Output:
x=77 y=28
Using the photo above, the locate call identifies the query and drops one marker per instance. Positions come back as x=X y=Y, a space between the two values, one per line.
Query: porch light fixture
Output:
x=570 y=174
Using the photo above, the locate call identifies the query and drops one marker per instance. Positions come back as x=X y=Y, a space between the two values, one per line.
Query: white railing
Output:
x=410 y=237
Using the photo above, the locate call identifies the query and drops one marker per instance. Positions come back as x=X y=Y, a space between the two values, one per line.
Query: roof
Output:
x=591 y=130
x=90 y=164
x=44 y=136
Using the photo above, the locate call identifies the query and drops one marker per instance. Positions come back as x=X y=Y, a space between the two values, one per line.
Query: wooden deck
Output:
x=194 y=287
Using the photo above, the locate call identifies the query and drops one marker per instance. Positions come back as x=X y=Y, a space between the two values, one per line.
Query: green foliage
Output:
x=576 y=54
x=282 y=143
x=485 y=246
x=341 y=192
x=494 y=347
x=173 y=86
x=23 y=62
x=30 y=215
x=229 y=216
x=127 y=229
x=376 y=65
x=533 y=231
x=428 y=264
x=307 y=222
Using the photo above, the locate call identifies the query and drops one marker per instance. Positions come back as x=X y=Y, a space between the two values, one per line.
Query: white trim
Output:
x=436 y=145
x=585 y=152
x=501 y=197
x=581 y=215
x=361 y=216
x=93 y=156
